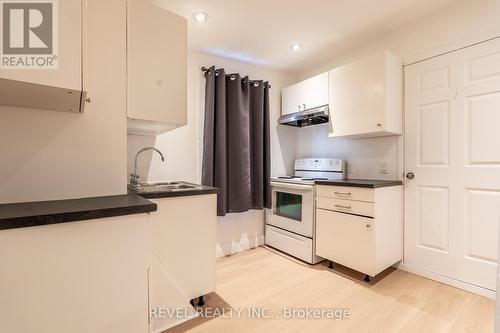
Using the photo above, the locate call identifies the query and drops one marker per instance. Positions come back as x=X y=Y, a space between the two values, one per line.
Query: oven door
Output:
x=292 y=208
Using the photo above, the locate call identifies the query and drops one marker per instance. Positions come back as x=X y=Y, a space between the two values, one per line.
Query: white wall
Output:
x=48 y=155
x=457 y=25
x=182 y=147
x=363 y=156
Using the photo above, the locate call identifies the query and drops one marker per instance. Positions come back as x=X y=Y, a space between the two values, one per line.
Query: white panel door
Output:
x=453 y=149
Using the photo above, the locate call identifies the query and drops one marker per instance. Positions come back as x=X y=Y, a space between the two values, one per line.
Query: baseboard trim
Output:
x=447 y=280
x=232 y=247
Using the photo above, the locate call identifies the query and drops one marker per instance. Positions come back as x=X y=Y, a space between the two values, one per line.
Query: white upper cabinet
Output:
x=307 y=94
x=156 y=69
x=366 y=97
x=67 y=46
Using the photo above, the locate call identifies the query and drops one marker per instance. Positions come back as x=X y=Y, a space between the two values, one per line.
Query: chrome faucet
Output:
x=134 y=177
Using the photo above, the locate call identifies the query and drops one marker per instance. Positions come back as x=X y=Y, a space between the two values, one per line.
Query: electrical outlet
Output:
x=350 y=169
x=383 y=168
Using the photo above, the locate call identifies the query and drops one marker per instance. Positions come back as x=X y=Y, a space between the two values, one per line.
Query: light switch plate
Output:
x=350 y=168
x=383 y=168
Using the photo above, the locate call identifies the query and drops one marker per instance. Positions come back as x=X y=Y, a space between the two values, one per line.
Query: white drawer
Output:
x=290 y=243
x=346 y=192
x=346 y=206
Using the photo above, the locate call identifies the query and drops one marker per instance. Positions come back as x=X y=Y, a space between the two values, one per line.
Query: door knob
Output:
x=410 y=175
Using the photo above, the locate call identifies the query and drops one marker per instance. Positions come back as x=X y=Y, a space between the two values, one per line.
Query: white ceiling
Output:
x=261 y=31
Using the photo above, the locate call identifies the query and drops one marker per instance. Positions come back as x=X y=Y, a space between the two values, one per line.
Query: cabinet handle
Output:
x=379 y=125
x=88 y=99
x=343 y=193
x=368 y=226
x=341 y=206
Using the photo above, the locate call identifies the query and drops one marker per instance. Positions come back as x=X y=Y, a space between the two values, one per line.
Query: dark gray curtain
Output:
x=236 y=147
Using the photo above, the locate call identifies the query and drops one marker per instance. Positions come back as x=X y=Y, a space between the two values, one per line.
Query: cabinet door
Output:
x=357 y=97
x=315 y=91
x=346 y=239
x=307 y=94
x=68 y=48
x=184 y=239
x=291 y=99
x=156 y=63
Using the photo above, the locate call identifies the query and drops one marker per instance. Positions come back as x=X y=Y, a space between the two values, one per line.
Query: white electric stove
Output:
x=290 y=223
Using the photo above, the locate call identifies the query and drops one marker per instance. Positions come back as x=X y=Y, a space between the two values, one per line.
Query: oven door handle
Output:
x=292 y=186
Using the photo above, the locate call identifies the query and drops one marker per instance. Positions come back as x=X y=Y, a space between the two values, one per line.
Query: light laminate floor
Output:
x=396 y=301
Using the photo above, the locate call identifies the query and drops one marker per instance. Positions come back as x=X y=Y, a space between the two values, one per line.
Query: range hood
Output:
x=305 y=118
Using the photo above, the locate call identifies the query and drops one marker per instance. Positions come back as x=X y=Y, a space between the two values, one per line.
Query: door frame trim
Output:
x=450 y=51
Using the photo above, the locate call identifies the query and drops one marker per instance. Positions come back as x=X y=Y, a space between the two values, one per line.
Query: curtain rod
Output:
x=206 y=70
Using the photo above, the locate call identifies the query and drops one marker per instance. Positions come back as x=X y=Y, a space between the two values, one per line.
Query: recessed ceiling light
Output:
x=200 y=17
x=295 y=46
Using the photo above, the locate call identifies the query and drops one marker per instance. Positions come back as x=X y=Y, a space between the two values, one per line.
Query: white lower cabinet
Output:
x=362 y=235
x=183 y=237
x=183 y=232
x=78 y=277
x=346 y=239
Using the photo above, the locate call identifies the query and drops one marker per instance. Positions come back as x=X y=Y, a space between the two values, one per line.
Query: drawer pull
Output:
x=343 y=193
x=344 y=207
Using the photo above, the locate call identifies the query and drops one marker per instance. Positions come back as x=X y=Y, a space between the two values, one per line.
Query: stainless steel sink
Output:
x=163 y=187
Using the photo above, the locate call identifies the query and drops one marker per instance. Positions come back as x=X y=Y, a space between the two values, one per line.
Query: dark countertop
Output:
x=28 y=214
x=185 y=192
x=369 y=183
